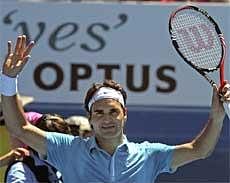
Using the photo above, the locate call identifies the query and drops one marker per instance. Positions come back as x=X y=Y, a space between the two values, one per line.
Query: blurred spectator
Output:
x=79 y=126
x=31 y=168
x=46 y=122
x=13 y=155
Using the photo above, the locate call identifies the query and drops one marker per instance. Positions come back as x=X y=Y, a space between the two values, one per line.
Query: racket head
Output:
x=197 y=38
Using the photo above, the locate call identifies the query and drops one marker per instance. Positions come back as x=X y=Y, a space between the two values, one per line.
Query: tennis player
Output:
x=107 y=156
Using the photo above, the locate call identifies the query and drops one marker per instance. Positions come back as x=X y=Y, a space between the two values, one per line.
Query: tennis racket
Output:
x=199 y=41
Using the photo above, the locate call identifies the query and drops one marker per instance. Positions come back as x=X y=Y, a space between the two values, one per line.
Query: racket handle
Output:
x=227 y=108
x=224 y=82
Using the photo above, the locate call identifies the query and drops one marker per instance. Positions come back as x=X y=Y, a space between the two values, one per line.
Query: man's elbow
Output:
x=206 y=154
x=202 y=152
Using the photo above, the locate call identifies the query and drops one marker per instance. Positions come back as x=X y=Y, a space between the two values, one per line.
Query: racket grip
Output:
x=227 y=109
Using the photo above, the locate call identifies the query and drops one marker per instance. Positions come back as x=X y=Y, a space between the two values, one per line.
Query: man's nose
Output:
x=107 y=118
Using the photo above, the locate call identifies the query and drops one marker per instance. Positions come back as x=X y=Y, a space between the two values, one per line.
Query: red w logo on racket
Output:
x=194 y=38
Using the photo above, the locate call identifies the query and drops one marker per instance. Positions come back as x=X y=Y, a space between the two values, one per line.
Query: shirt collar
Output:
x=122 y=147
x=93 y=143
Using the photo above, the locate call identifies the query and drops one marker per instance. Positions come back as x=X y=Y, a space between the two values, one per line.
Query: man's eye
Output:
x=97 y=114
x=114 y=113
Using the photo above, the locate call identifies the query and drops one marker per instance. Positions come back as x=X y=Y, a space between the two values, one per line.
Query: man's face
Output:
x=107 y=118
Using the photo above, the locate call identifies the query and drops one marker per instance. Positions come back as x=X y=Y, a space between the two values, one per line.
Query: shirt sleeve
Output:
x=20 y=173
x=59 y=149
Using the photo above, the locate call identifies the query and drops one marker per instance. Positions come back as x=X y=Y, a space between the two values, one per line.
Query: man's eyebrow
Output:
x=114 y=109
x=98 y=110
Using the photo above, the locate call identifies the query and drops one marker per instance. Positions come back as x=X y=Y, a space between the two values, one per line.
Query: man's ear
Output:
x=125 y=113
x=88 y=116
x=89 y=119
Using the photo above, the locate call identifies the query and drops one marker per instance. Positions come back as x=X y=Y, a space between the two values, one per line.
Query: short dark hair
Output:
x=53 y=123
x=96 y=86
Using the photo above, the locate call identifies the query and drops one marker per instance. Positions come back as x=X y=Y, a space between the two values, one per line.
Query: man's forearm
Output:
x=13 y=114
x=206 y=141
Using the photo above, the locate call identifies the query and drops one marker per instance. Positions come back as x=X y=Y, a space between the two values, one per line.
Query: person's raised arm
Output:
x=13 y=111
x=203 y=145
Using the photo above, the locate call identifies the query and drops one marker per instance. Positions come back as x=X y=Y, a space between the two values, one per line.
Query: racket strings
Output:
x=197 y=39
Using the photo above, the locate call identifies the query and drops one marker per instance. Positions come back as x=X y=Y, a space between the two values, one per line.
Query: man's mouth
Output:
x=108 y=126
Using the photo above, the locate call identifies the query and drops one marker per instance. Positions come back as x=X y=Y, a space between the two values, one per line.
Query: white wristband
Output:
x=8 y=85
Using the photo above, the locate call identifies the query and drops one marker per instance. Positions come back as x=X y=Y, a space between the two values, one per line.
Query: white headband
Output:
x=106 y=92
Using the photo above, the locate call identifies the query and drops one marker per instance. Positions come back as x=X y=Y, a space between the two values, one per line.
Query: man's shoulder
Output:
x=55 y=137
x=66 y=142
x=155 y=146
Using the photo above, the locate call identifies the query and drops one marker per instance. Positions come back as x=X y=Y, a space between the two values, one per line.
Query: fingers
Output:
x=23 y=151
x=17 y=154
x=9 y=60
x=226 y=97
x=18 y=45
x=225 y=88
x=17 y=58
x=22 y=46
x=20 y=152
x=225 y=93
x=9 y=44
x=21 y=63
x=28 y=48
x=25 y=60
x=21 y=49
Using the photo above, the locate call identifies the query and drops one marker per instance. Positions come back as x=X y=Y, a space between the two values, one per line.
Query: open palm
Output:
x=17 y=58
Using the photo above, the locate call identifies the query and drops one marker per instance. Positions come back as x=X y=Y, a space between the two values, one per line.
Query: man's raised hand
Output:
x=16 y=59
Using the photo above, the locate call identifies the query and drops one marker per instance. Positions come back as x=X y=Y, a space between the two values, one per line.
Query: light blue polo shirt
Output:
x=82 y=161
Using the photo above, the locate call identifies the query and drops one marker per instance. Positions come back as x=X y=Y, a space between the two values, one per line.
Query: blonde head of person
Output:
x=79 y=126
